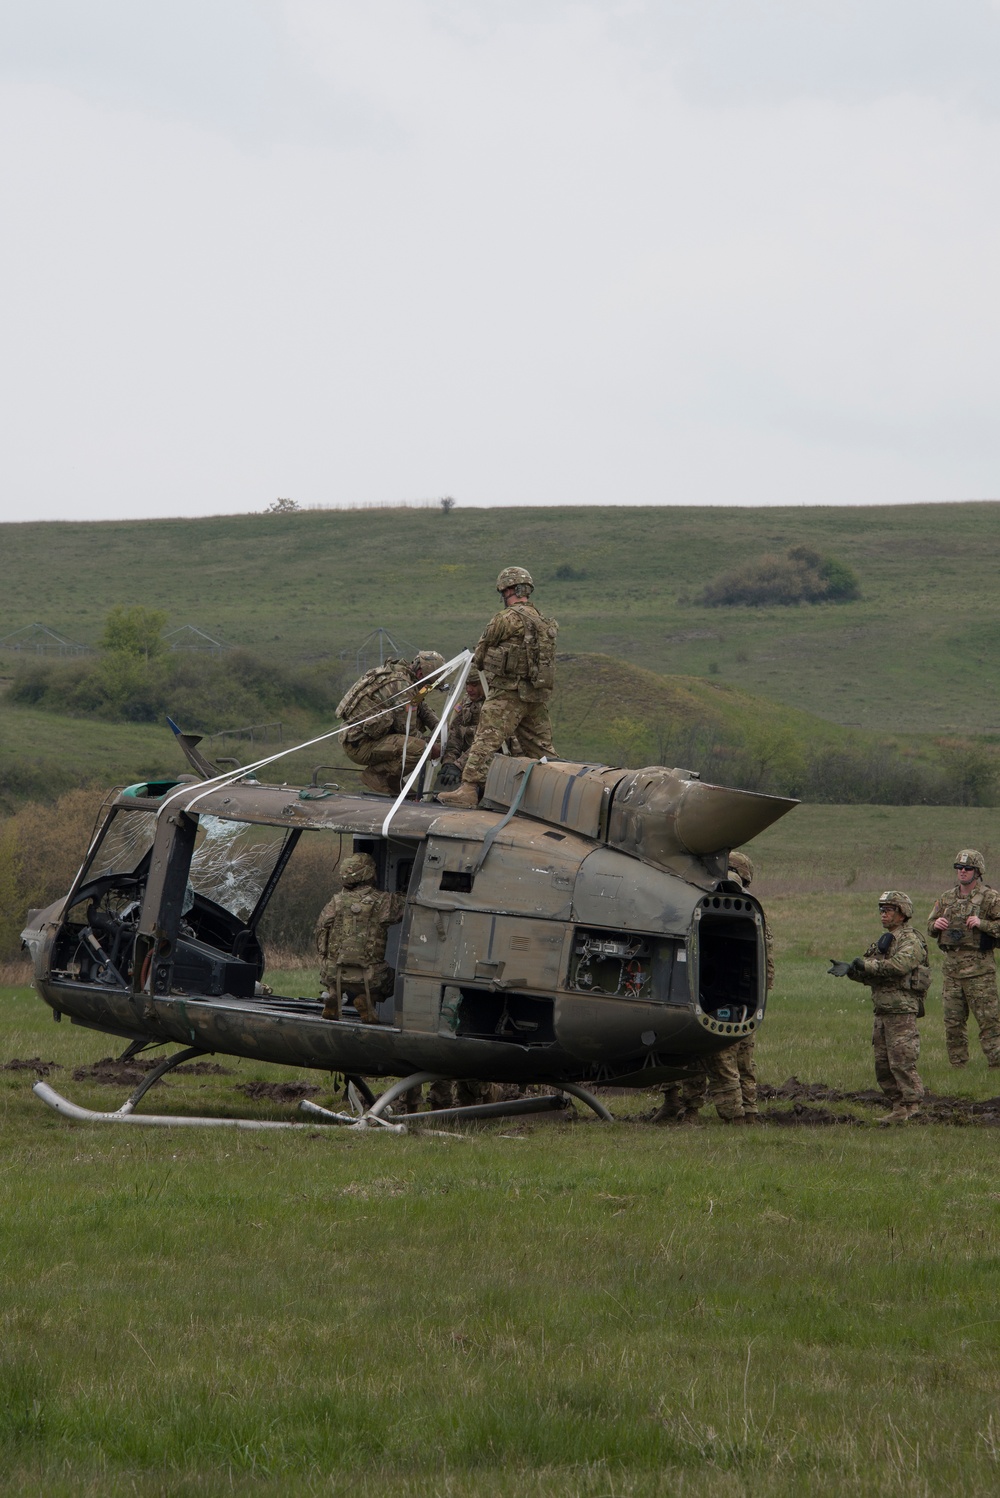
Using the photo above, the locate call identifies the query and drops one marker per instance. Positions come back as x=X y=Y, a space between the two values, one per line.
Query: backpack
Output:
x=366 y=686
x=540 y=648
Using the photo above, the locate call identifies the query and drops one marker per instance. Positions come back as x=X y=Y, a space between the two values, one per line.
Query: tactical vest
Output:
x=956 y=912
x=916 y=982
x=529 y=658
x=539 y=648
x=369 y=685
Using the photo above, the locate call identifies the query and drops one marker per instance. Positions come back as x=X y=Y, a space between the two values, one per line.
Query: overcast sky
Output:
x=513 y=251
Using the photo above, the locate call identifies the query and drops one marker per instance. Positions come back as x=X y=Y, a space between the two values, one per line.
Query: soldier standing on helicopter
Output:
x=516 y=653
x=462 y=735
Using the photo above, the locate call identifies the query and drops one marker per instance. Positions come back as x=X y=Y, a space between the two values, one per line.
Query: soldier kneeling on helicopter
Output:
x=351 y=936
x=388 y=718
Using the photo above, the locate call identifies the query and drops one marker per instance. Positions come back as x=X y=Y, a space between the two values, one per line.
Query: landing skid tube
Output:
x=372 y=1114
x=484 y=1110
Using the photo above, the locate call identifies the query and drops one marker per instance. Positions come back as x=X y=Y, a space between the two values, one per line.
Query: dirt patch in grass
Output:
x=277 y=1092
x=934 y=1109
x=804 y=1115
x=34 y=1064
x=111 y=1070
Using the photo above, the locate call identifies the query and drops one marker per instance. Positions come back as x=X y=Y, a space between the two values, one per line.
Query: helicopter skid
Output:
x=87 y=1115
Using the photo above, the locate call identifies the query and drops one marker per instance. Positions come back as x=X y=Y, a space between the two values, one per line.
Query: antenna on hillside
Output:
x=190 y=637
x=41 y=640
x=375 y=649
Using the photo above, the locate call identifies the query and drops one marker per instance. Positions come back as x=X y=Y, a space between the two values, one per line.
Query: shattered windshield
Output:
x=125 y=843
x=233 y=861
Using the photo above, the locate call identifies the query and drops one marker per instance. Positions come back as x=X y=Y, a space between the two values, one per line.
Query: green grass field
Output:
x=531 y=1307
x=913 y=655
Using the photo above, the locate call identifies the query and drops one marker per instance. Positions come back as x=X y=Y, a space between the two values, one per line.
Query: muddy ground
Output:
x=278 y=1092
x=131 y=1073
x=34 y=1063
x=810 y=1100
x=807 y=1095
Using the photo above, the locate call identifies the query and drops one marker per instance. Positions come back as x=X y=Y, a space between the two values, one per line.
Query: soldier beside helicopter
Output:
x=380 y=706
x=895 y=969
x=516 y=653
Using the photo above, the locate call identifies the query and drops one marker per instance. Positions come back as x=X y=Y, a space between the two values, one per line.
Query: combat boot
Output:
x=900 y=1113
x=667 y=1113
x=466 y=797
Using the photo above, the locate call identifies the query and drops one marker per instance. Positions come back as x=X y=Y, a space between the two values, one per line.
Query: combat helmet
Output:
x=514 y=577
x=426 y=661
x=902 y=902
x=971 y=858
x=358 y=869
x=742 y=867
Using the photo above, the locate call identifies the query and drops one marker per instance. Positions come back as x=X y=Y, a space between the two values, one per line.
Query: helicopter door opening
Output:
x=729 y=968
x=395 y=860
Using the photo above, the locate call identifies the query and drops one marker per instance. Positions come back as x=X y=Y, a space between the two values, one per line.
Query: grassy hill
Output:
x=605 y=710
x=914 y=654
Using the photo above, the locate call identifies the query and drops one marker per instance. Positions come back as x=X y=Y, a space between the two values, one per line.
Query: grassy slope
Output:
x=41 y=751
x=914 y=654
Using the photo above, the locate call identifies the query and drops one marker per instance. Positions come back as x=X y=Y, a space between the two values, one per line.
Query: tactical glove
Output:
x=838 y=969
x=449 y=776
x=858 y=965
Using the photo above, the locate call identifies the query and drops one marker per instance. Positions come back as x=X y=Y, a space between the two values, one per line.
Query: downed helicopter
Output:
x=578 y=928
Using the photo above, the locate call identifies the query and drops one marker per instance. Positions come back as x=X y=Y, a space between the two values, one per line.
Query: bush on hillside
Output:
x=204 y=693
x=799 y=575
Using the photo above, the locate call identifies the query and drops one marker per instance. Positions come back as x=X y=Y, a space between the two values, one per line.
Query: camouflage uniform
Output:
x=466 y=1093
x=895 y=1036
x=462 y=728
x=447 y=1094
x=716 y=1080
x=747 y=1069
x=350 y=938
x=683 y=1099
x=514 y=704
x=379 y=743
x=970 y=974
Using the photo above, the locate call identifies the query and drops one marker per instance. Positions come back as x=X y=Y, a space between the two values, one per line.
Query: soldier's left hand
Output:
x=973 y=922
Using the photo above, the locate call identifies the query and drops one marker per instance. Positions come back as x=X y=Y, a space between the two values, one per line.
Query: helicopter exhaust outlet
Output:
x=655 y=814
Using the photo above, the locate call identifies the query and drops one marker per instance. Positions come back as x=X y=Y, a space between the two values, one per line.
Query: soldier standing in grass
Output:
x=380 y=707
x=965 y=922
x=895 y=969
x=351 y=936
x=517 y=655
